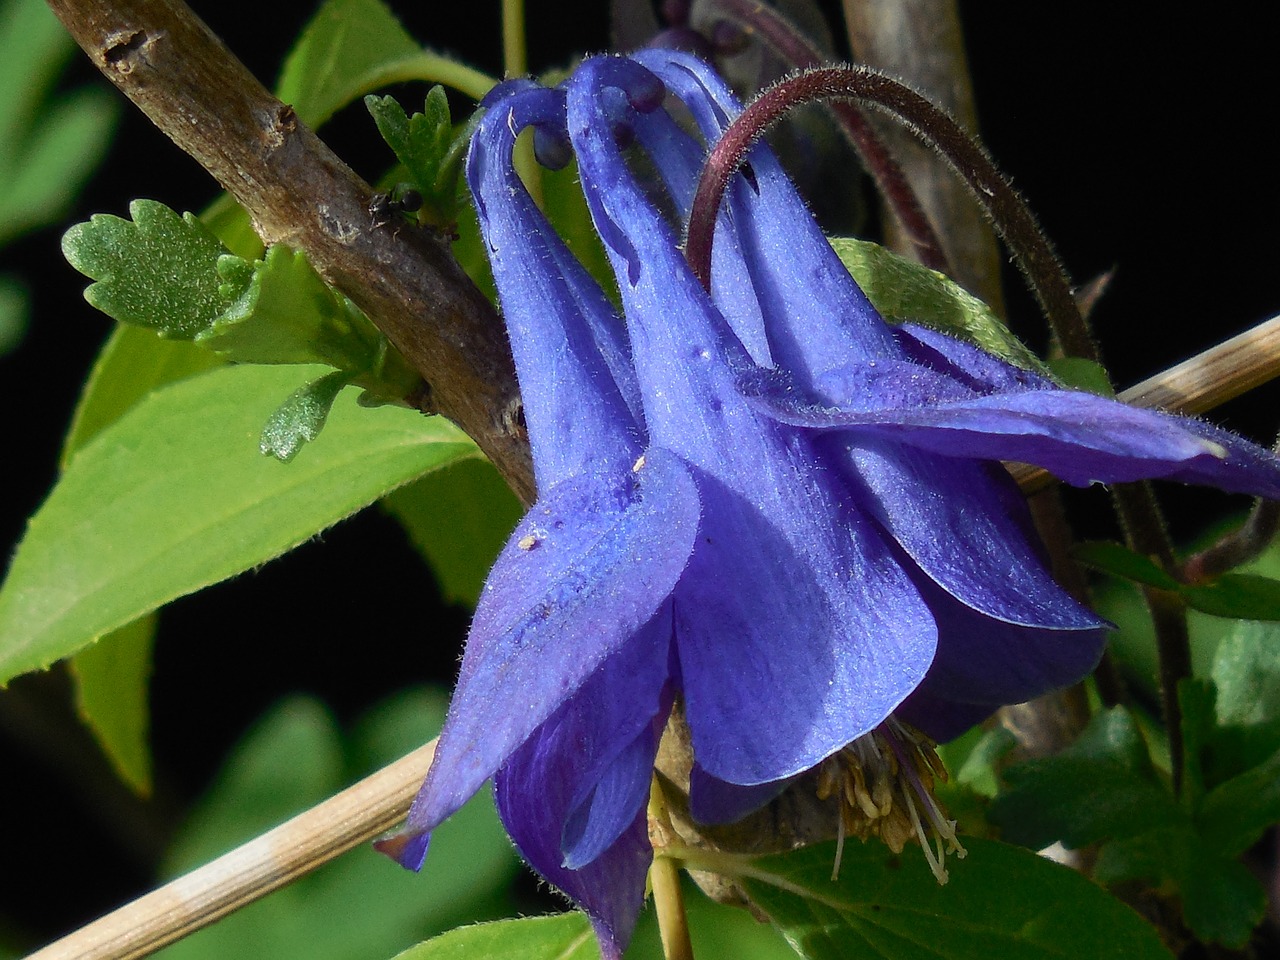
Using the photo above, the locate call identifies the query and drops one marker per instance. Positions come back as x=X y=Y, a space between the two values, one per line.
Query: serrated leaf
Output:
x=48 y=146
x=111 y=679
x=158 y=270
x=175 y=495
x=361 y=904
x=1235 y=814
x=567 y=936
x=419 y=142
x=280 y=311
x=345 y=44
x=1103 y=786
x=1002 y=901
x=1239 y=596
x=423 y=143
x=459 y=518
x=301 y=417
x=903 y=290
x=1221 y=901
x=1119 y=561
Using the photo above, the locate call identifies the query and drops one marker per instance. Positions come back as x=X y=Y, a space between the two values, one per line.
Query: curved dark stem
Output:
x=793 y=47
x=1135 y=503
x=1236 y=548
x=1010 y=216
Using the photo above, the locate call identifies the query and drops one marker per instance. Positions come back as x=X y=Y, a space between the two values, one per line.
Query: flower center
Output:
x=884 y=782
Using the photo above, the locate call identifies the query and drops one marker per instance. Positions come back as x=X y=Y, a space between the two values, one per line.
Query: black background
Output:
x=1142 y=144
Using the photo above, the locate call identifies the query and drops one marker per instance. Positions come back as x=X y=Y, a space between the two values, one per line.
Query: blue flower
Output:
x=763 y=501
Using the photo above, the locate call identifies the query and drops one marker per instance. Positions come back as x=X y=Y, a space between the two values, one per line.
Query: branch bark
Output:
x=298 y=192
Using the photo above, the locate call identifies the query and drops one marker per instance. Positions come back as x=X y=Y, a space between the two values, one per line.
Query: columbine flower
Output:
x=763 y=501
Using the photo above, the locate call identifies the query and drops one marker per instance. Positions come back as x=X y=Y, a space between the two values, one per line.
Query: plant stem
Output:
x=920 y=42
x=889 y=178
x=1010 y=216
x=664 y=876
x=252 y=870
x=299 y=193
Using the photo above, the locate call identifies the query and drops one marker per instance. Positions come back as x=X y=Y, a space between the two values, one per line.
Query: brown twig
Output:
x=299 y=193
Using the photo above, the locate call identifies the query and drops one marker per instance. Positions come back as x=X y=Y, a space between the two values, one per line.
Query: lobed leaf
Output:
x=301 y=417
x=158 y=270
x=174 y=496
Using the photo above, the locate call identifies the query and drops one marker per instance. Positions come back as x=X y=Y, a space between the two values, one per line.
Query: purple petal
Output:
x=713 y=801
x=818 y=626
x=1077 y=436
x=815 y=618
x=970 y=365
x=584 y=571
x=939 y=718
x=579 y=391
x=965 y=524
x=981 y=660
x=589 y=767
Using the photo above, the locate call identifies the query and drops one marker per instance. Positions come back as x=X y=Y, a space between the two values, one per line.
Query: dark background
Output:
x=1138 y=142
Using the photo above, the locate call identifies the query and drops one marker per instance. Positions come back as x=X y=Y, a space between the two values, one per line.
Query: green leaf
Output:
x=567 y=936
x=459 y=518
x=346 y=43
x=903 y=290
x=158 y=270
x=1246 y=671
x=48 y=145
x=1002 y=901
x=301 y=417
x=1081 y=374
x=111 y=676
x=1234 y=815
x=282 y=312
x=13 y=313
x=1120 y=561
x=175 y=496
x=1221 y=901
x=1240 y=596
x=361 y=904
x=1103 y=786
x=422 y=143
x=132 y=364
x=111 y=679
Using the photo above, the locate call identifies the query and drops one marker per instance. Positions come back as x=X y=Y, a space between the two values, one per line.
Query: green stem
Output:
x=664 y=877
x=430 y=68
x=515 y=60
x=796 y=49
